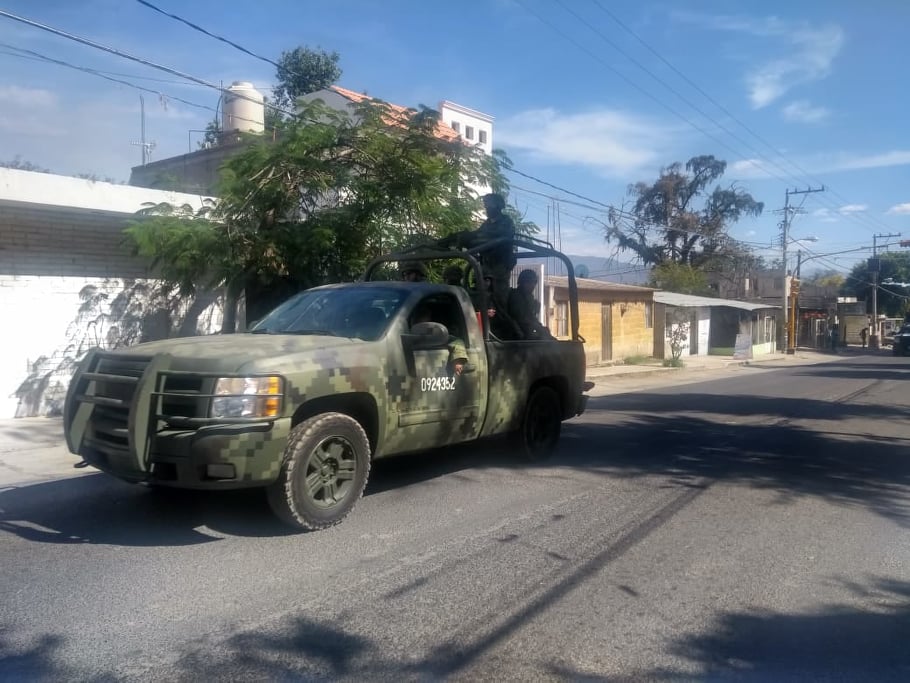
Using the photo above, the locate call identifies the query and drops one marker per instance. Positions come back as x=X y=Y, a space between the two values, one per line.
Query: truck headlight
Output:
x=247 y=397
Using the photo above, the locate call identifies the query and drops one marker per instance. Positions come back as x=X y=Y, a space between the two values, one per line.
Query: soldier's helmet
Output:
x=413 y=267
x=453 y=275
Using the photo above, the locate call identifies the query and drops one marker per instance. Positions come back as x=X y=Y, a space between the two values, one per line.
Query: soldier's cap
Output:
x=413 y=267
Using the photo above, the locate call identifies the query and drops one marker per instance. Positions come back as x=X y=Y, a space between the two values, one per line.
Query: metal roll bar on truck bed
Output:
x=532 y=249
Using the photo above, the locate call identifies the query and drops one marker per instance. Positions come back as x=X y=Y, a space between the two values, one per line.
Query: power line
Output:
x=140 y=60
x=659 y=101
x=707 y=96
x=32 y=54
x=196 y=27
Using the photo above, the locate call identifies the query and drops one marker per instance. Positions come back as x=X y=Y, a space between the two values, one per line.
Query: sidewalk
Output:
x=32 y=449
x=601 y=373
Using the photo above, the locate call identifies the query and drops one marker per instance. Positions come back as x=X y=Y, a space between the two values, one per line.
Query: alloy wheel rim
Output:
x=329 y=471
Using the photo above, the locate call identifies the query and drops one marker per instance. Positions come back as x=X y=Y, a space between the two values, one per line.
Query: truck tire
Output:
x=541 y=424
x=325 y=469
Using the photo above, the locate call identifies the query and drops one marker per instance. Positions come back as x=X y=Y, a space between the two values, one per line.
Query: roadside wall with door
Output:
x=69 y=283
x=615 y=320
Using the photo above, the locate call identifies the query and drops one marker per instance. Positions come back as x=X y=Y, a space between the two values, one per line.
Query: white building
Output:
x=474 y=127
x=455 y=121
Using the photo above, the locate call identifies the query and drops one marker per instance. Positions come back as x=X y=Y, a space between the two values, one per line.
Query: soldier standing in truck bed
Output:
x=497 y=263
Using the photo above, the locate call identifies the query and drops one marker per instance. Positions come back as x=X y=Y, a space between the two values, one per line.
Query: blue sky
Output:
x=789 y=94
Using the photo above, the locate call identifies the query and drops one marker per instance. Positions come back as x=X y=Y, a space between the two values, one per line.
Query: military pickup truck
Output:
x=331 y=379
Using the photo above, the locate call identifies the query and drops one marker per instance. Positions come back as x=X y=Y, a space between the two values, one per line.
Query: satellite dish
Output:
x=581 y=270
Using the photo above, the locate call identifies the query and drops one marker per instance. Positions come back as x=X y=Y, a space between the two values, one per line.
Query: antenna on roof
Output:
x=147 y=147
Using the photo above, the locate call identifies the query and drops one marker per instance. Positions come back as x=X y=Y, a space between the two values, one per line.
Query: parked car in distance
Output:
x=901 y=344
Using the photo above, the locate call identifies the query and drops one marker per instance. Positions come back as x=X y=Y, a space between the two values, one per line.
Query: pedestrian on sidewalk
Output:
x=863 y=333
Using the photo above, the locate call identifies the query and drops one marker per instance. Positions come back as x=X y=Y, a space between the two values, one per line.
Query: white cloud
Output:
x=746 y=169
x=825 y=215
x=808 y=52
x=803 y=112
x=900 y=209
x=613 y=142
x=27 y=97
x=853 y=208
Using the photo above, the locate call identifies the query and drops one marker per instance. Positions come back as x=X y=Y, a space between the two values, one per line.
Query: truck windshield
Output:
x=362 y=313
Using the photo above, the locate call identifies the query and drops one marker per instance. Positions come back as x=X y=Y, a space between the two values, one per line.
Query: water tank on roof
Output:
x=243 y=109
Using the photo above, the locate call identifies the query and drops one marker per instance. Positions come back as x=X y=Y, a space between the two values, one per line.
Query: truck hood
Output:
x=239 y=349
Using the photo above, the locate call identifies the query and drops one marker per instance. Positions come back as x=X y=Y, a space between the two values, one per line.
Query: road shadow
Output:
x=851 y=470
x=688 y=400
x=839 y=642
x=97 y=508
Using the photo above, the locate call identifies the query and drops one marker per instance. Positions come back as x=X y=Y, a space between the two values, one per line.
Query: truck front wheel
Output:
x=541 y=424
x=325 y=469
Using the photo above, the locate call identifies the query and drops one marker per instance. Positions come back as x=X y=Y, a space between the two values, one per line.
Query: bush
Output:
x=673 y=362
x=636 y=360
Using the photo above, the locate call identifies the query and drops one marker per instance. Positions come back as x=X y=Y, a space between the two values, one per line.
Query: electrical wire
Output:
x=717 y=104
x=139 y=60
x=32 y=54
x=663 y=104
x=196 y=27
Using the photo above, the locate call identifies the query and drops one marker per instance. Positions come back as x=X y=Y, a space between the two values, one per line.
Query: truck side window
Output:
x=444 y=309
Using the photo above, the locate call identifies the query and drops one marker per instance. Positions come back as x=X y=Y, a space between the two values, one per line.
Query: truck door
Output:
x=441 y=406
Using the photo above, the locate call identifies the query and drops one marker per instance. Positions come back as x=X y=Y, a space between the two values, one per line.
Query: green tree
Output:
x=335 y=190
x=681 y=278
x=301 y=71
x=893 y=299
x=826 y=278
x=677 y=219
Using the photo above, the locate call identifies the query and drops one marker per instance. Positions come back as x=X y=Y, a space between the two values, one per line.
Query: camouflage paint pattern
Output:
x=161 y=434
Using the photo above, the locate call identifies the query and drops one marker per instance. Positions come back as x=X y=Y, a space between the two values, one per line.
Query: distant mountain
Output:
x=598 y=268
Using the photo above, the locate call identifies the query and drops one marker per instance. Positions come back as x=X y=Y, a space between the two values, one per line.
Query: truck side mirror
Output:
x=427 y=336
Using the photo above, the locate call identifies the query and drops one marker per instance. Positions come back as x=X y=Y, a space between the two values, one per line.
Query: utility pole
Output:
x=147 y=147
x=875 y=268
x=788 y=336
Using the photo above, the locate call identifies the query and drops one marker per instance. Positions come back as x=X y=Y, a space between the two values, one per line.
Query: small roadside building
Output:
x=615 y=320
x=710 y=326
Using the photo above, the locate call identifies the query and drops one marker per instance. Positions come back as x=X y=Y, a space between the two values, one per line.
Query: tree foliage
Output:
x=826 y=278
x=301 y=71
x=893 y=277
x=23 y=165
x=680 y=278
x=676 y=219
x=335 y=190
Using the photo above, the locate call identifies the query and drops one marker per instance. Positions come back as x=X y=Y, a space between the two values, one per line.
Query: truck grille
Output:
x=115 y=381
x=183 y=396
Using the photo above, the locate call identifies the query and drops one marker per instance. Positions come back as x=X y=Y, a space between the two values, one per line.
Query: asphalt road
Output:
x=752 y=527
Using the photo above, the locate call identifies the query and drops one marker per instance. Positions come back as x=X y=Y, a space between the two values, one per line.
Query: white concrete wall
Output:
x=59 y=238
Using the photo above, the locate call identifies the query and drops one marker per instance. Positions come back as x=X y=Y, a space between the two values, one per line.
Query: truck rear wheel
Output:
x=541 y=424
x=325 y=469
